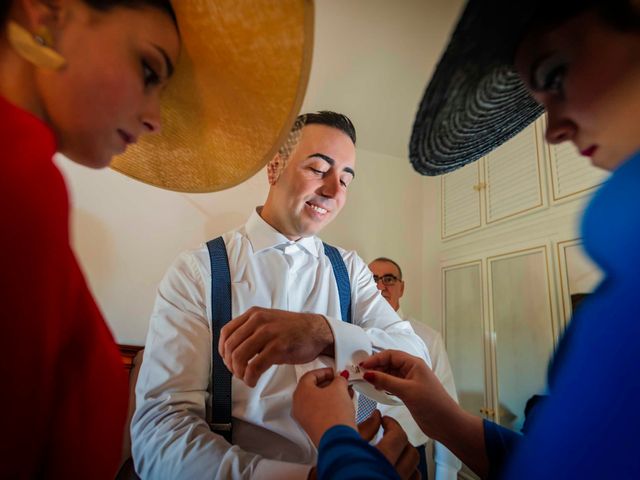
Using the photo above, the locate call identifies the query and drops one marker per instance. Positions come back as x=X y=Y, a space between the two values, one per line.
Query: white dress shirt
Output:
x=447 y=464
x=171 y=438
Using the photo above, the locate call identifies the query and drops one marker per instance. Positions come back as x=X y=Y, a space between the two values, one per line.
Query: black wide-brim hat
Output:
x=475 y=100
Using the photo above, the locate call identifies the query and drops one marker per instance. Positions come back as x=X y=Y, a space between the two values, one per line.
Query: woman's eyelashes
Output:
x=549 y=75
x=149 y=75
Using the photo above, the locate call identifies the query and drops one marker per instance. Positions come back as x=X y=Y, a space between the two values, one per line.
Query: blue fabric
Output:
x=588 y=427
x=500 y=443
x=220 y=315
x=342 y=279
x=344 y=455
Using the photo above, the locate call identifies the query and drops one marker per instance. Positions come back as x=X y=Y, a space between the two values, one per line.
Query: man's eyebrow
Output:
x=332 y=162
x=167 y=60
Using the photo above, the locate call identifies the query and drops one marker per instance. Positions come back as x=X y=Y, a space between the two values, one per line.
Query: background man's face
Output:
x=391 y=293
x=312 y=189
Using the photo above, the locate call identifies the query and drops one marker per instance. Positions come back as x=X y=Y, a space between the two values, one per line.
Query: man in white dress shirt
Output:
x=388 y=277
x=286 y=321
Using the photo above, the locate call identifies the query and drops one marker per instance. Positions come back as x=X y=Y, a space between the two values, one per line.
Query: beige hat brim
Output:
x=236 y=91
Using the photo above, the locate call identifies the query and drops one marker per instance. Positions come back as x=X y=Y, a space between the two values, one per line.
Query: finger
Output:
x=245 y=353
x=388 y=360
x=370 y=426
x=393 y=441
x=408 y=461
x=317 y=377
x=229 y=328
x=386 y=382
x=237 y=339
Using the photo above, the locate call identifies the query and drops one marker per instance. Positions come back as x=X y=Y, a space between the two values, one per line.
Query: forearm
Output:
x=462 y=433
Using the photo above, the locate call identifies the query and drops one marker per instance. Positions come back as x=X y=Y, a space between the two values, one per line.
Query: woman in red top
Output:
x=82 y=77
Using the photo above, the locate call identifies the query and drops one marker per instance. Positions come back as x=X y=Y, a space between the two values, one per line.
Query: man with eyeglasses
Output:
x=388 y=277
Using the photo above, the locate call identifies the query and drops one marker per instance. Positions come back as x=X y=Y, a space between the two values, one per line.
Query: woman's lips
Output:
x=588 y=152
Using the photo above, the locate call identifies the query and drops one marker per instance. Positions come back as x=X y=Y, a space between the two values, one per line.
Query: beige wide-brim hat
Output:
x=237 y=88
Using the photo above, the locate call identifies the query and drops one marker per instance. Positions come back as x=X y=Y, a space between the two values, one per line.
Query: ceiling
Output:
x=372 y=60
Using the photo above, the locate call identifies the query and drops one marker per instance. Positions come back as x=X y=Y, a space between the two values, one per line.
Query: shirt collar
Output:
x=263 y=236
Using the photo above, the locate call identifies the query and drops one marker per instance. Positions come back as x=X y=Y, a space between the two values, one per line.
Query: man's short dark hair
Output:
x=331 y=119
x=385 y=259
x=324 y=117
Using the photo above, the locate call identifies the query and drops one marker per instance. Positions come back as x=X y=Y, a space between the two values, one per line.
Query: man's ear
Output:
x=275 y=168
x=401 y=288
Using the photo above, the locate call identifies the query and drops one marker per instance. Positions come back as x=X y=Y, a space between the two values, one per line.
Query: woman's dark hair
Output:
x=622 y=15
x=104 y=5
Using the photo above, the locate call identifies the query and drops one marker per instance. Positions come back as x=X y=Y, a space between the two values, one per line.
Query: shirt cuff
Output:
x=351 y=344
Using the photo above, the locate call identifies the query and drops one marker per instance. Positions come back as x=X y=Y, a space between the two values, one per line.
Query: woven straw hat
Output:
x=237 y=88
x=475 y=100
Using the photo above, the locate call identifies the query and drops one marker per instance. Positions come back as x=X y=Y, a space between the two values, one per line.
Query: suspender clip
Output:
x=220 y=427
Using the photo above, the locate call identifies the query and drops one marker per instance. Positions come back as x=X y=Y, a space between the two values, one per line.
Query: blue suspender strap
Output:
x=342 y=279
x=366 y=406
x=220 y=415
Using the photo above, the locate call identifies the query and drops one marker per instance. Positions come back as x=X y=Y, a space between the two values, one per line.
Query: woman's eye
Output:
x=549 y=75
x=149 y=75
x=554 y=80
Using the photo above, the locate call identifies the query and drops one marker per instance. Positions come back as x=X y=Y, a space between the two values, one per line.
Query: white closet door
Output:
x=571 y=173
x=464 y=333
x=513 y=178
x=578 y=274
x=461 y=200
x=522 y=319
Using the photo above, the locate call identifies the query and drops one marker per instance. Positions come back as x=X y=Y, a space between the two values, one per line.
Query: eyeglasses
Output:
x=387 y=279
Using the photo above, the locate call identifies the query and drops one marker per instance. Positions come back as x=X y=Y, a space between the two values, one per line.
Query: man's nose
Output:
x=330 y=186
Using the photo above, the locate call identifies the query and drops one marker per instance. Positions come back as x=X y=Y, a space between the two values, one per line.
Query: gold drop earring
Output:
x=35 y=48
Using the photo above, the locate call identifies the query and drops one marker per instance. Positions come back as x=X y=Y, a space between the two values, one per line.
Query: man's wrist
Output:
x=325 y=337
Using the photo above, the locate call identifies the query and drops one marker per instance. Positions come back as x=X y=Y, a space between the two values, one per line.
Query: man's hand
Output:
x=395 y=446
x=261 y=337
x=322 y=400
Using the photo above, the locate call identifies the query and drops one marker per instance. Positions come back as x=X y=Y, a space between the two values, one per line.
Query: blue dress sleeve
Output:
x=499 y=443
x=343 y=454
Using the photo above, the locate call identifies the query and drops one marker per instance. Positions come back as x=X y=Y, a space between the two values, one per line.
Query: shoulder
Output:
x=430 y=335
x=356 y=266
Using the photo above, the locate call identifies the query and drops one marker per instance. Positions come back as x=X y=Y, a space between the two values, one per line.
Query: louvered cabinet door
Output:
x=461 y=200
x=513 y=177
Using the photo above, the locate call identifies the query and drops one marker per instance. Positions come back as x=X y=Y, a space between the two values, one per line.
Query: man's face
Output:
x=393 y=289
x=312 y=189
